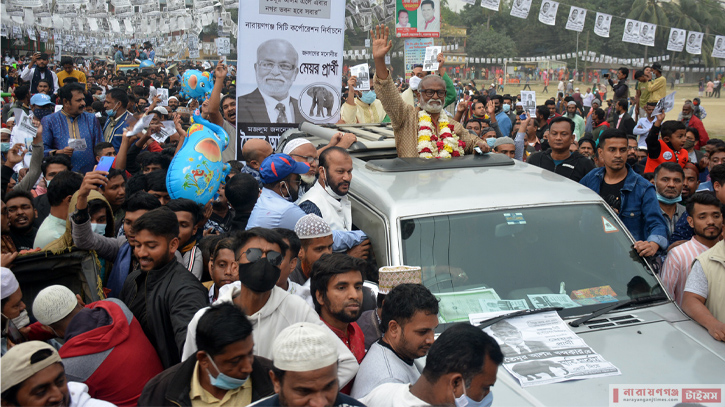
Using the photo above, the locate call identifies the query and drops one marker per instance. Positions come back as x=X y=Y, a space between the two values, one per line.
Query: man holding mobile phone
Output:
x=37 y=70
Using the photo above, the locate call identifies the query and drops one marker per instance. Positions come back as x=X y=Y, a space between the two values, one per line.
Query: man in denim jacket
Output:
x=629 y=194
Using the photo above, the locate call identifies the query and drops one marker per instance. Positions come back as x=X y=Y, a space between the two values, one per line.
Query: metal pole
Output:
x=576 y=57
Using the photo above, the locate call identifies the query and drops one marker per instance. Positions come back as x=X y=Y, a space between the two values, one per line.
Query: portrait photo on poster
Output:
x=677 y=40
x=647 y=34
x=602 y=24
x=491 y=4
x=694 y=43
x=528 y=98
x=547 y=13
x=576 y=19
x=718 y=50
x=520 y=8
x=631 y=31
x=429 y=16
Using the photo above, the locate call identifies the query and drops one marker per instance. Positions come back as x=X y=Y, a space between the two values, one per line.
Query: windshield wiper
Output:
x=491 y=321
x=641 y=300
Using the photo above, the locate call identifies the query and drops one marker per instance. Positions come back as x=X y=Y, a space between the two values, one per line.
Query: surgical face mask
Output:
x=485 y=402
x=40 y=113
x=669 y=201
x=259 y=276
x=22 y=320
x=689 y=144
x=4 y=147
x=223 y=381
x=507 y=108
x=491 y=141
x=368 y=97
x=463 y=400
x=99 y=228
x=111 y=112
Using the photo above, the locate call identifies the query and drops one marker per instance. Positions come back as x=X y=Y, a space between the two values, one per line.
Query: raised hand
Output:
x=381 y=44
x=221 y=70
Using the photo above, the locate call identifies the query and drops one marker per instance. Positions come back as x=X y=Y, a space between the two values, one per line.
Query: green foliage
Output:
x=490 y=44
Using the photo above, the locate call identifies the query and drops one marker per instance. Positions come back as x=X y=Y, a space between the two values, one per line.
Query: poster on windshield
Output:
x=540 y=349
x=294 y=66
x=414 y=53
x=417 y=18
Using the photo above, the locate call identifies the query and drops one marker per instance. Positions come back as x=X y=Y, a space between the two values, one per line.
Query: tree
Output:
x=490 y=44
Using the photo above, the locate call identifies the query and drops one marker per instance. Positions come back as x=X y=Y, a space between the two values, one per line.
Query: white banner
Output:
x=295 y=57
x=576 y=19
x=676 y=42
x=540 y=349
x=631 y=31
x=602 y=24
x=491 y=4
x=547 y=12
x=520 y=8
x=718 y=51
x=694 y=43
x=647 y=34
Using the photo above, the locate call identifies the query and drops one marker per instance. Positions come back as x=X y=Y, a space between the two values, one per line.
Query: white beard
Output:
x=429 y=107
x=307 y=178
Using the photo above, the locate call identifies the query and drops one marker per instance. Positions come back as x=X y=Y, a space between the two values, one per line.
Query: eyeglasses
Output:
x=308 y=159
x=431 y=92
x=274 y=258
x=284 y=67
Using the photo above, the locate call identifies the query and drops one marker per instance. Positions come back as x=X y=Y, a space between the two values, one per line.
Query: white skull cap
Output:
x=312 y=226
x=292 y=145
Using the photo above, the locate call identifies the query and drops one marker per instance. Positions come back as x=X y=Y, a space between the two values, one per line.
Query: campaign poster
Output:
x=647 y=34
x=414 y=53
x=718 y=50
x=491 y=4
x=602 y=25
x=520 y=8
x=547 y=13
x=631 y=31
x=576 y=19
x=528 y=99
x=418 y=18
x=677 y=40
x=294 y=69
x=694 y=43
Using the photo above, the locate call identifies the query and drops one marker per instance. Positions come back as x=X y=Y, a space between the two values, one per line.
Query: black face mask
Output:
x=259 y=276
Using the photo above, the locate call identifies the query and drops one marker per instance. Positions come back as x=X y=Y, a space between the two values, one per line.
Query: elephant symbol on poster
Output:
x=322 y=98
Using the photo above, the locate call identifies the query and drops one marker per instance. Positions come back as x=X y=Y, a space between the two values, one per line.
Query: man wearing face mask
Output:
x=418 y=126
x=118 y=117
x=361 y=107
x=270 y=308
x=162 y=294
x=13 y=307
x=275 y=207
x=669 y=178
x=41 y=106
x=100 y=339
x=459 y=371
x=223 y=372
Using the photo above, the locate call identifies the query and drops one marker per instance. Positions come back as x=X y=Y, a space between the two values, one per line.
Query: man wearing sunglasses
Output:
x=270 y=308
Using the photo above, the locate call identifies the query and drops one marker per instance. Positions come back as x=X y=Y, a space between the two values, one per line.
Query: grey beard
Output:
x=570 y=115
x=308 y=179
x=685 y=116
x=428 y=107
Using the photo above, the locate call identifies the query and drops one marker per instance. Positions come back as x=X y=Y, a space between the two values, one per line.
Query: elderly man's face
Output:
x=276 y=68
x=307 y=153
x=571 y=109
x=173 y=104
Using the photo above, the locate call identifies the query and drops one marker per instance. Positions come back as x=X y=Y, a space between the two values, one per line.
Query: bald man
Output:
x=254 y=152
x=275 y=70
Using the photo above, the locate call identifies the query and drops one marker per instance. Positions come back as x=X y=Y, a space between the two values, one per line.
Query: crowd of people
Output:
x=260 y=296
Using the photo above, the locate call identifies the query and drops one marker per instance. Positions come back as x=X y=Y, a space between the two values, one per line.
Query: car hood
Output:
x=665 y=347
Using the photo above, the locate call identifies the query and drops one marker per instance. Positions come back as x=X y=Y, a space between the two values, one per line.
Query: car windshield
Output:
x=574 y=256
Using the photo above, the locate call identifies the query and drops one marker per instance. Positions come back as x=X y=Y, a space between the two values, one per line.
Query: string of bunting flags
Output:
x=635 y=32
x=94 y=26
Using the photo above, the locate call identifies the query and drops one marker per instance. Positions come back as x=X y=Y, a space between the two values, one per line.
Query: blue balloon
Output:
x=147 y=63
x=196 y=85
x=197 y=170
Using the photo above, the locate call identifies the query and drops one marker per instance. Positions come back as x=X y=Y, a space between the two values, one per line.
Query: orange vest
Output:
x=667 y=155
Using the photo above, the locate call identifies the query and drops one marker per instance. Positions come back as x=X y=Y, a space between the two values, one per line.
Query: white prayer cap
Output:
x=173 y=97
x=292 y=145
x=53 y=304
x=571 y=103
x=9 y=283
x=5 y=131
x=10 y=119
x=312 y=226
x=414 y=82
x=519 y=104
x=304 y=347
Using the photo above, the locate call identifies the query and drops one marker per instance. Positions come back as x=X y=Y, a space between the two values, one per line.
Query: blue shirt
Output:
x=273 y=211
x=504 y=123
x=118 y=57
x=251 y=171
x=152 y=55
x=115 y=136
x=59 y=128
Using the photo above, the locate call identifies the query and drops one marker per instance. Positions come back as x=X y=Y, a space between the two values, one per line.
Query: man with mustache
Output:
x=21 y=215
x=688 y=117
x=669 y=179
x=336 y=288
x=628 y=193
x=406 y=119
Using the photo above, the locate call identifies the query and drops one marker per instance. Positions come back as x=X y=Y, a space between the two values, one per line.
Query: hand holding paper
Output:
x=140 y=125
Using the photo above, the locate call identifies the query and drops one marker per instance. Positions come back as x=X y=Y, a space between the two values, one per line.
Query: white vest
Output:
x=337 y=214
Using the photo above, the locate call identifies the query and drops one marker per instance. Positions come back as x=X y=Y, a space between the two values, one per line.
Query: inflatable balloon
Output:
x=197 y=170
x=196 y=85
x=147 y=63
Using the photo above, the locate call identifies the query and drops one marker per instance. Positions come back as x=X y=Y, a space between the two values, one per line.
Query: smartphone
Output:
x=523 y=116
x=105 y=164
x=606 y=75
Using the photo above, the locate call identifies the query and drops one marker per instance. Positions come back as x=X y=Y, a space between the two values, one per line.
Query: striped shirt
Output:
x=677 y=267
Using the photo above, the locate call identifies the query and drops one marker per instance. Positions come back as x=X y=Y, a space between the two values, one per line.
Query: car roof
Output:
x=417 y=187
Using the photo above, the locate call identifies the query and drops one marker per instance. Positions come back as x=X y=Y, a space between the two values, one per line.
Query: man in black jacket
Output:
x=558 y=158
x=221 y=370
x=162 y=294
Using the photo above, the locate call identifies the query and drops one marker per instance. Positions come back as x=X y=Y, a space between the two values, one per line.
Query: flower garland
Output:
x=445 y=145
